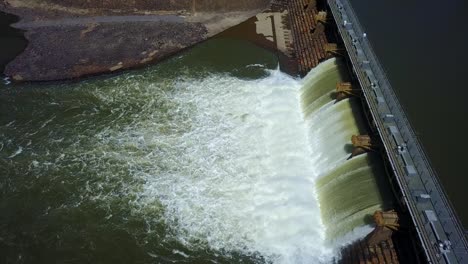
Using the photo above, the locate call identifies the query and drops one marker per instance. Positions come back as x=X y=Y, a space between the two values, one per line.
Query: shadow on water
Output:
x=348 y=148
x=368 y=220
x=356 y=107
x=12 y=40
x=382 y=182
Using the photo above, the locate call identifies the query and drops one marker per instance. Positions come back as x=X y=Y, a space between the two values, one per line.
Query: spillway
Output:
x=349 y=190
x=186 y=165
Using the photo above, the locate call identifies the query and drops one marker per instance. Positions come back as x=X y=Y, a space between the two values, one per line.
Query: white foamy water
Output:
x=228 y=165
x=240 y=178
x=175 y=165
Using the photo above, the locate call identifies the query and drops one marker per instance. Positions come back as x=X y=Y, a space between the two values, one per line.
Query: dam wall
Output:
x=348 y=190
x=320 y=32
x=436 y=225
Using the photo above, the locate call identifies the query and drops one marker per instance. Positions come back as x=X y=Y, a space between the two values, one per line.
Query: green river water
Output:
x=213 y=156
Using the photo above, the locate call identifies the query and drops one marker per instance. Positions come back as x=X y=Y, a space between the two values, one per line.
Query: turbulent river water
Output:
x=209 y=157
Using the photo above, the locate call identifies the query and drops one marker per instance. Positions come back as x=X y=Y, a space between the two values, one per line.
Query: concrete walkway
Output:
x=78 y=21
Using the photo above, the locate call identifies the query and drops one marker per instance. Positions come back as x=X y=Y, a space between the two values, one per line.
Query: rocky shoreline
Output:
x=69 y=40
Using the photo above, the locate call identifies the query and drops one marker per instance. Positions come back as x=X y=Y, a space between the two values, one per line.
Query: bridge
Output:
x=439 y=231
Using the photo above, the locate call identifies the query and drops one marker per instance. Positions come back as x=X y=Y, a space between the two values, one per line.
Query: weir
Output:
x=232 y=169
x=348 y=190
x=437 y=228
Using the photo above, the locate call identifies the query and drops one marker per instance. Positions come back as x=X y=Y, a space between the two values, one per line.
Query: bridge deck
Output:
x=439 y=230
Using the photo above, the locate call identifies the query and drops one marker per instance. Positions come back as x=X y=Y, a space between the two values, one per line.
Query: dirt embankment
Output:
x=161 y=5
x=75 y=38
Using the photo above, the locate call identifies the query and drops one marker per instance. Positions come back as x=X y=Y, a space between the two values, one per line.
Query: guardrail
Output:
x=439 y=229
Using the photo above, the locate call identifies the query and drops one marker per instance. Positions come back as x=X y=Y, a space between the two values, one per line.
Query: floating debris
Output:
x=6 y=80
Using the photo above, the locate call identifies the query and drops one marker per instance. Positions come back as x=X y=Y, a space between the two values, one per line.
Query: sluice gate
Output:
x=439 y=231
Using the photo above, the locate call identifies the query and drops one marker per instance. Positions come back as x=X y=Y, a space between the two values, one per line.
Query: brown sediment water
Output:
x=247 y=31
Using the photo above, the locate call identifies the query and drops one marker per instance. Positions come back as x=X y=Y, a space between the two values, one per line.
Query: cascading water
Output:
x=239 y=179
x=350 y=194
x=349 y=190
x=175 y=165
x=319 y=85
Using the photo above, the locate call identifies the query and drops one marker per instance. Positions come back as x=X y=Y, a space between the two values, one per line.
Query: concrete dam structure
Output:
x=439 y=231
x=316 y=31
x=233 y=163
